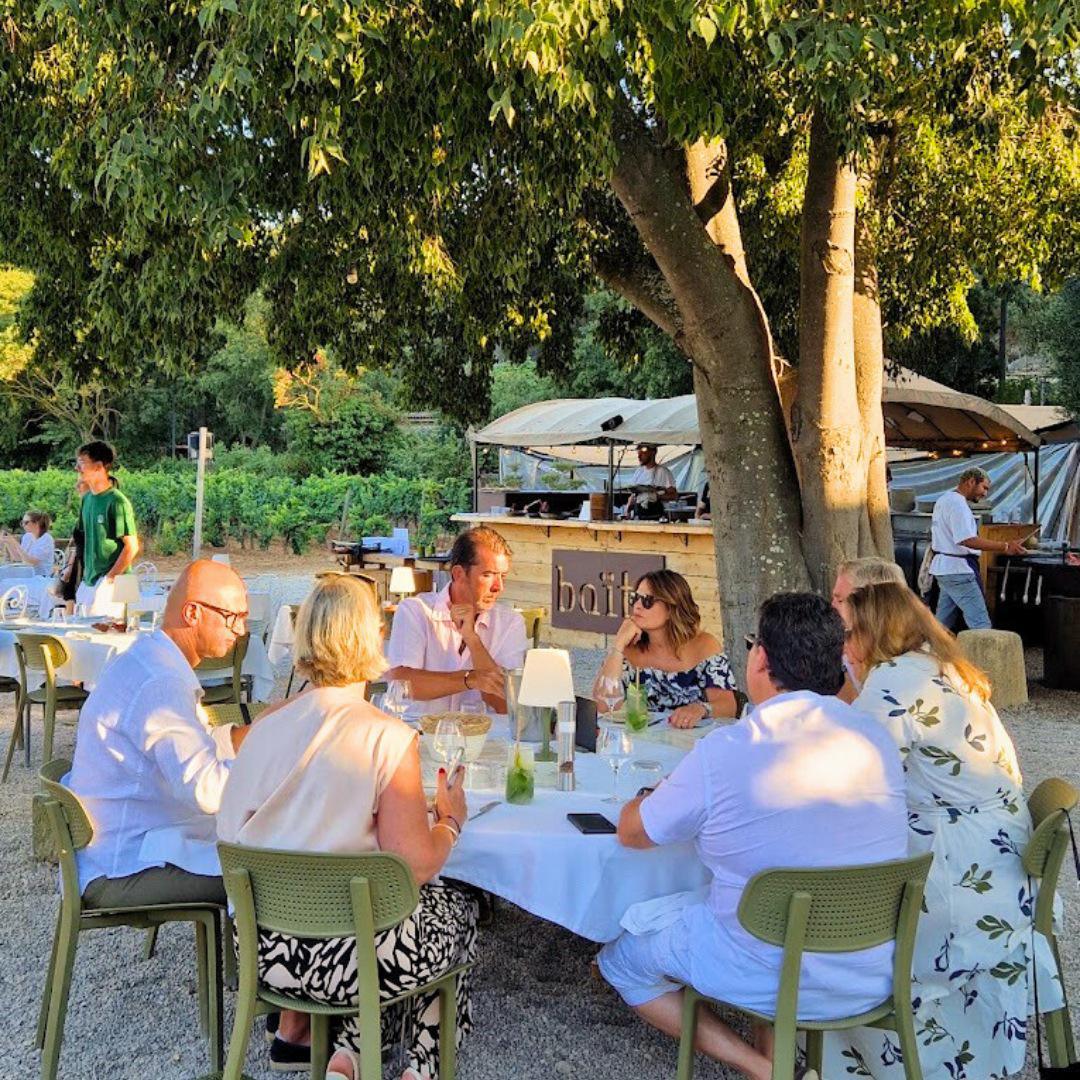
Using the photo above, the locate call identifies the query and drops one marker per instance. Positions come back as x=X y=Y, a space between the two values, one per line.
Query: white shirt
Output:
x=425 y=637
x=147 y=767
x=658 y=475
x=803 y=780
x=952 y=522
x=40 y=550
x=310 y=774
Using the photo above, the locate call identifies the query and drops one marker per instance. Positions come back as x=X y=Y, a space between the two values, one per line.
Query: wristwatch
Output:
x=708 y=709
x=468 y=672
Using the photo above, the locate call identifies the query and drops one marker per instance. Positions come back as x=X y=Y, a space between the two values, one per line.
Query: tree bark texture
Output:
x=755 y=506
x=875 y=524
x=826 y=430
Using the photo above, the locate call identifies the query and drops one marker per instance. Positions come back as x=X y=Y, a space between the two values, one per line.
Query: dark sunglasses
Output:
x=644 y=599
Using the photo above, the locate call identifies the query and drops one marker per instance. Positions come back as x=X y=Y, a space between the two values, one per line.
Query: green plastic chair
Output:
x=40 y=654
x=324 y=896
x=836 y=909
x=70 y=831
x=534 y=623
x=1043 y=856
x=245 y=713
x=231 y=692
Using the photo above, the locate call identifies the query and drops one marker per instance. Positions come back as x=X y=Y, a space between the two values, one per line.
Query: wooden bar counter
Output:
x=537 y=579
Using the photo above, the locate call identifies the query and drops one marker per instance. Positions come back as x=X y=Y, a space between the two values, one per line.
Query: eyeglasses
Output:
x=751 y=640
x=231 y=617
x=646 y=600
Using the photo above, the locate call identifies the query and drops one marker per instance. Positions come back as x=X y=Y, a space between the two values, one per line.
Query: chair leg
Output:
x=230 y=953
x=14 y=741
x=815 y=1049
x=288 y=685
x=909 y=1045
x=150 y=943
x=448 y=1030
x=214 y=1002
x=67 y=936
x=201 y=976
x=688 y=1036
x=320 y=1045
x=50 y=733
x=241 y=1033
x=46 y=993
x=1068 y=1047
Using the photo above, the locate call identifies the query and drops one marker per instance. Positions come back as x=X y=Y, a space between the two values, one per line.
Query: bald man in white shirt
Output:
x=147 y=767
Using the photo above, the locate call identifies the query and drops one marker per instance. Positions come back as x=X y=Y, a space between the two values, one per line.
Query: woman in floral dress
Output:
x=972 y=954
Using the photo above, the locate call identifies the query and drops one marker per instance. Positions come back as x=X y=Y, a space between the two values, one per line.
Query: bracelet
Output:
x=708 y=710
x=468 y=672
x=449 y=829
x=450 y=817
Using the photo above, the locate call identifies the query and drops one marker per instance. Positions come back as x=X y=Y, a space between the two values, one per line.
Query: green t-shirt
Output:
x=106 y=519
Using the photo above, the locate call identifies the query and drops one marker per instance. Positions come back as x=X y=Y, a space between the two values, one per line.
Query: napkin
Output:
x=648 y=916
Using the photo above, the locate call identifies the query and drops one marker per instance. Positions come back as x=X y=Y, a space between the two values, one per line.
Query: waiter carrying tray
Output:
x=955 y=540
x=650 y=504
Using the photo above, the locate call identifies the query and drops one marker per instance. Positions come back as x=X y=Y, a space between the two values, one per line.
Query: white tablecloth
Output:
x=91 y=651
x=14 y=572
x=533 y=857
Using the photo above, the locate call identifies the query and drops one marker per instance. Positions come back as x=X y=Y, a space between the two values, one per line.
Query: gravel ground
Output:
x=538 y=1010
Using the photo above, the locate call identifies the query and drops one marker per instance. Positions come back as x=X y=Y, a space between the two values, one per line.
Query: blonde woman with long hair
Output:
x=972 y=954
x=661 y=645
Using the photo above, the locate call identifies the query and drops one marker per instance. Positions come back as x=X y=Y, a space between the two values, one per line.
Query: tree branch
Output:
x=645 y=287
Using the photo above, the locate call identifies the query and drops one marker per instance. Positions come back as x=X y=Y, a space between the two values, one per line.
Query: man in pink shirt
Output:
x=455 y=645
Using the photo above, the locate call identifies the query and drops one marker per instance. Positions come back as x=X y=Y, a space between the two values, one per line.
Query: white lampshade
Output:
x=125 y=589
x=402 y=581
x=547 y=678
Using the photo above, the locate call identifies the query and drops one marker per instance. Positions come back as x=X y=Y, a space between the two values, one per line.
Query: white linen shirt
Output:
x=802 y=781
x=658 y=475
x=41 y=549
x=147 y=767
x=425 y=637
x=952 y=522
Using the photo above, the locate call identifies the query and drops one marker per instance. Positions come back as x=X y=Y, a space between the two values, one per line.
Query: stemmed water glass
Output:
x=615 y=744
x=397 y=698
x=609 y=692
x=448 y=739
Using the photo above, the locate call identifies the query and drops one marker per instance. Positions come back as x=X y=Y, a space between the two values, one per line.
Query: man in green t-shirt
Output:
x=110 y=542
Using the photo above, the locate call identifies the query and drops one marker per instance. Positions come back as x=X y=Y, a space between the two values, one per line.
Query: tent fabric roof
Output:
x=1052 y=423
x=919 y=414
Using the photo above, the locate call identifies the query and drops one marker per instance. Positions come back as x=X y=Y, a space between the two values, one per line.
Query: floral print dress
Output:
x=972 y=953
x=667 y=690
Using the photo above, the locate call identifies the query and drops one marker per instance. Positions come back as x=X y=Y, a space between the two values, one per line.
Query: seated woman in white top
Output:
x=36 y=546
x=327 y=772
x=852 y=575
x=662 y=646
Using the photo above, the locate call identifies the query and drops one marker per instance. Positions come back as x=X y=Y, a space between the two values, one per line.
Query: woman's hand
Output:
x=450 y=799
x=688 y=716
x=628 y=634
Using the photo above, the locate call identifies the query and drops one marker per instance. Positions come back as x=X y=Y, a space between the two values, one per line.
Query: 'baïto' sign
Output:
x=590 y=589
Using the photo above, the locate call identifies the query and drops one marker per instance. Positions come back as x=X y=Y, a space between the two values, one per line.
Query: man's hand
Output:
x=490 y=681
x=1072 y=558
x=464 y=618
x=627 y=635
x=1015 y=547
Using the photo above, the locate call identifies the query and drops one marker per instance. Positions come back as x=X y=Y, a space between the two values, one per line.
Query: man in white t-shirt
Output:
x=455 y=645
x=955 y=541
x=803 y=781
x=649 y=472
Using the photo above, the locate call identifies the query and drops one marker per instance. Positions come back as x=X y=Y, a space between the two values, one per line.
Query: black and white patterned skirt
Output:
x=439 y=935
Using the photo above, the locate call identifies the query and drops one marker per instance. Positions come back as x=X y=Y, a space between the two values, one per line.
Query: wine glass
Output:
x=397 y=698
x=615 y=744
x=448 y=740
x=609 y=692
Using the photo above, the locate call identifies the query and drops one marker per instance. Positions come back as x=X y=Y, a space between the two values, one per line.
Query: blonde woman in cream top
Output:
x=327 y=772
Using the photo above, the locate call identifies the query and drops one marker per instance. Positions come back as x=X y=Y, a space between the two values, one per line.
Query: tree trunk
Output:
x=755 y=507
x=875 y=524
x=826 y=431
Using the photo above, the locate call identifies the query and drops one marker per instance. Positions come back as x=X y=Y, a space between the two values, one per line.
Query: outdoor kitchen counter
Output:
x=685 y=547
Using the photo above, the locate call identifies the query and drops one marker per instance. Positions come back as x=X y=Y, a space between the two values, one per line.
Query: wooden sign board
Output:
x=590 y=589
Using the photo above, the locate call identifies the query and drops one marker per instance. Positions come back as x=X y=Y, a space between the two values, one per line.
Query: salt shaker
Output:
x=566 y=732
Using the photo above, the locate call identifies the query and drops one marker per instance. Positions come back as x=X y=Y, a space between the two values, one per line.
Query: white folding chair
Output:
x=13 y=603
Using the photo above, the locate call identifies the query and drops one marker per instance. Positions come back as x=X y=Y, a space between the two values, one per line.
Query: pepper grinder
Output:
x=566 y=731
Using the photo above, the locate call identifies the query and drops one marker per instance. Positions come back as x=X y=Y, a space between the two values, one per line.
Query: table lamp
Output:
x=402 y=581
x=125 y=591
x=546 y=680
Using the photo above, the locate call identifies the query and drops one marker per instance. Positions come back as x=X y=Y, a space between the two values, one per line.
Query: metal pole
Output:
x=475 y=477
x=1035 y=504
x=200 y=484
x=611 y=480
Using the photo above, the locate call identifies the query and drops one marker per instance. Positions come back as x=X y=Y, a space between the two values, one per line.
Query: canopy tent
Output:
x=919 y=414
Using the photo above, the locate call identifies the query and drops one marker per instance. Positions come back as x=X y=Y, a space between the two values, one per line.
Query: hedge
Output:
x=244 y=507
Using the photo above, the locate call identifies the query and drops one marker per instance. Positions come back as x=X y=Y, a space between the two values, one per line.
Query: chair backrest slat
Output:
x=1048 y=804
x=78 y=822
x=233 y=658
x=43 y=652
x=852 y=907
x=309 y=895
x=219 y=715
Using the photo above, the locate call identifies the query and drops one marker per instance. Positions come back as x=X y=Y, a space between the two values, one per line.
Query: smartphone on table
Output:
x=591 y=824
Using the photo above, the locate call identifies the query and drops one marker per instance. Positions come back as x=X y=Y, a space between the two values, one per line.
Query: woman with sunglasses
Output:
x=661 y=646
x=36 y=546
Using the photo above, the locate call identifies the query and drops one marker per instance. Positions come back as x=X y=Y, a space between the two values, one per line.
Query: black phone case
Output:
x=591 y=824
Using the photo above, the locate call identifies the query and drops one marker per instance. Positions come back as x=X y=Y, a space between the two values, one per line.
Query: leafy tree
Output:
x=410 y=187
x=1056 y=328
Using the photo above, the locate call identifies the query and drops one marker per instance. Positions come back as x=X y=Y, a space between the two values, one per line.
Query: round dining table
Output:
x=534 y=857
